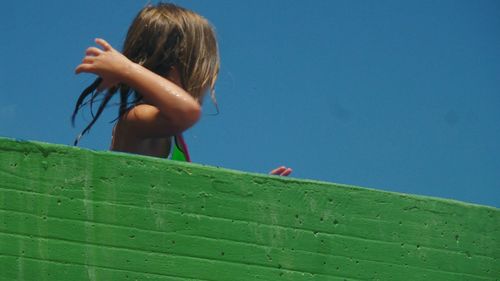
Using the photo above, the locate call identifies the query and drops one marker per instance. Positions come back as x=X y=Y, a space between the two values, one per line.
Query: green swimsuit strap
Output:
x=180 y=151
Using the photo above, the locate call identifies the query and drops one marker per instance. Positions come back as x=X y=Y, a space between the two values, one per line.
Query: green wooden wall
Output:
x=73 y=214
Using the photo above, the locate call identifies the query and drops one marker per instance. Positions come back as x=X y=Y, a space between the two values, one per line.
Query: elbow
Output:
x=147 y=121
x=186 y=117
x=193 y=114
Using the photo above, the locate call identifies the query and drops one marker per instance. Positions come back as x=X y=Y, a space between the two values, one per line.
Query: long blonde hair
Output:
x=160 y=38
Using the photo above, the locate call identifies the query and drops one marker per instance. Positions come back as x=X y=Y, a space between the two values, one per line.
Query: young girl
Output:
x=170 y=60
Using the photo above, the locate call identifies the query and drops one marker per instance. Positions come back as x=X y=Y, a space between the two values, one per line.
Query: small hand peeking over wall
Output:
x=281 y=171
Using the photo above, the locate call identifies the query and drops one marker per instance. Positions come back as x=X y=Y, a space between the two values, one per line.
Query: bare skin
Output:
x=147 y=128
x=281 y=171
x=167 y=110
x=126 y=140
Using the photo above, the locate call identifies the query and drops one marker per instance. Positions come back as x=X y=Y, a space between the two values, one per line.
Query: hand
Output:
x=281 y=171
x=107 y=63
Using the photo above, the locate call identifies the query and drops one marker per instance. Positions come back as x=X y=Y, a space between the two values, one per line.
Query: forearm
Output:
x=176 y=105
x=171 y=109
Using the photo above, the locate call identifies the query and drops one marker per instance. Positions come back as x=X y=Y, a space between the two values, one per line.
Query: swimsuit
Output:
x=180 y=151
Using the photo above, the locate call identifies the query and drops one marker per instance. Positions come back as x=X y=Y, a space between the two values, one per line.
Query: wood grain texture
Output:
x=73 y=214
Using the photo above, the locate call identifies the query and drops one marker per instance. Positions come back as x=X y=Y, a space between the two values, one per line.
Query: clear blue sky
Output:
x=395 y=95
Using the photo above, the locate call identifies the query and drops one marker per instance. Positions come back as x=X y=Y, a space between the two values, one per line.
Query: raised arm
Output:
x=168 y=109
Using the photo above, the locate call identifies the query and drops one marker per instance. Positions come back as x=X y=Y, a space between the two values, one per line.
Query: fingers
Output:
x=281 y=171
x=90 y=56
x=105 y=45
x=93 y=51
x=88 y=60
x=278 y=170
x=84 y=67
x=287 y=172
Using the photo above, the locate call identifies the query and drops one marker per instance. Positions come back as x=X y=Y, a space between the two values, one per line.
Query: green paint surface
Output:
x=73 y=214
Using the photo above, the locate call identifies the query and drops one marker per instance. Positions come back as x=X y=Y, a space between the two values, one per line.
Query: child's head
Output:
x=162 y=38
x=166 y=36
